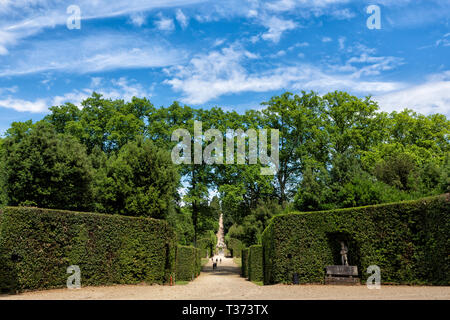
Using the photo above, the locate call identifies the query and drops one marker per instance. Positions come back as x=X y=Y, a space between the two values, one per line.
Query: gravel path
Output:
x=226 y=284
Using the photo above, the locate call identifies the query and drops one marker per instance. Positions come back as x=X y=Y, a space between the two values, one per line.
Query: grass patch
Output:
x=181 y=283
x=204 y=261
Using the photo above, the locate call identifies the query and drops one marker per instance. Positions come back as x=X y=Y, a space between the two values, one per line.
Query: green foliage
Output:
x=235 y=246
x=188 y=263
x=180 y=219
x=255 y=263
x=140 y=181
x=46 y=169
x=407 y=240
x=250 y=230
x=37 y=246
x=244 y=263
x=208 y=244
x=104 y=123
x=398 y=170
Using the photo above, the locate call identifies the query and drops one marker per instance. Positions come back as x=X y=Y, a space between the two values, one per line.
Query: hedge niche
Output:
x=407 y=240
x=188 y=263
x=235 y=247
x=38 y=245
x=244 y=263
x=255 y=263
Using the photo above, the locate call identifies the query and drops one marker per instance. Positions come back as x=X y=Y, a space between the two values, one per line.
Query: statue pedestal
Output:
x=341 y=275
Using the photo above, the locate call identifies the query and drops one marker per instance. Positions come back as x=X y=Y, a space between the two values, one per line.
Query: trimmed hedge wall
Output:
x=255 y=263
x=408 y=240
x=188 y=263
x=244 y=263
x=37 y=246
x=235 y=246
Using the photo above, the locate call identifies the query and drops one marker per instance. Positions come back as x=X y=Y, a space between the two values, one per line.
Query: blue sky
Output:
x=230 y=53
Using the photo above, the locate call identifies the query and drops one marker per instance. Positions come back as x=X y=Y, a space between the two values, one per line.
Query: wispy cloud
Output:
x=164 y=23
x=20 y=19
x=276 y=27
x=218 y=73
x=121 y=88
x=432 y=96
x=182 y=18
x=138 y=19
x=94 y=53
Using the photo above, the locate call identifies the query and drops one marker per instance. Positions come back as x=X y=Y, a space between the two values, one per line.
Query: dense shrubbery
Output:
x=235 y=246
x=37 y=246
x=407 y=240
x=207 y=245
x=255 y=263
x=244 y=263
x=188 y=263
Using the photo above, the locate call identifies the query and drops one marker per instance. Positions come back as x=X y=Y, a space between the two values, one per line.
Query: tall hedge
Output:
x=188 y=263
x=255 y=263
x=235 y=246
x=37 y=246
x=244 y=263
x=409 y=241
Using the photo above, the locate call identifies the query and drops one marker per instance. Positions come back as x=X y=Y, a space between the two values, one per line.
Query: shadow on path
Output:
x=222 y=270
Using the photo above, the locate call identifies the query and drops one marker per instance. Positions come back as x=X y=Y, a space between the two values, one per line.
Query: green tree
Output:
x=298 y=119
x=139 y=181
x=44 y=168
x=104 y=123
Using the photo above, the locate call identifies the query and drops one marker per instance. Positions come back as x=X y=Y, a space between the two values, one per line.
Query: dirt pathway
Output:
x=226 y=284
x=220 y=236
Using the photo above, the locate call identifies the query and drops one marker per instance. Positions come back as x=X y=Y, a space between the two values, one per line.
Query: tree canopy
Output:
x=335 y=151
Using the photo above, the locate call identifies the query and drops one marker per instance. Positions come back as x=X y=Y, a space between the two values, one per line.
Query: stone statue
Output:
x=344 y=251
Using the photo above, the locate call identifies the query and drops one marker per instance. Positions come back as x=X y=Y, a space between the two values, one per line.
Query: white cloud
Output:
x=342 y=43
x=138 y=19
x=343 y=14
x=375 y=64
x=12 y=89
x=182 y=19
x=39 y=105
x=278 y=54
x=432 y=96
x=288 y=5
x=276 y=28
x=326 y=39
x=445 y=41
x=298 y=45
x=121 y=88
x=93 y=53
x=165 y=24
x=218 y=73
x=20 y=19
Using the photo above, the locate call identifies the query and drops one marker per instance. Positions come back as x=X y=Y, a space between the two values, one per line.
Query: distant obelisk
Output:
x=220 y=237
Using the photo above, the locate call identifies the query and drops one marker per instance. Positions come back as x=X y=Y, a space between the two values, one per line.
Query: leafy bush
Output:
x=244 y=263
x=407 y=240
x=188 y=263
x=37 y=246
x=255 y=263
x=207 y=245
x=235 y=246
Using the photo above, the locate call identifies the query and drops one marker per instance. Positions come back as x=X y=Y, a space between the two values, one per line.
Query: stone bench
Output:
x=340 y=274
